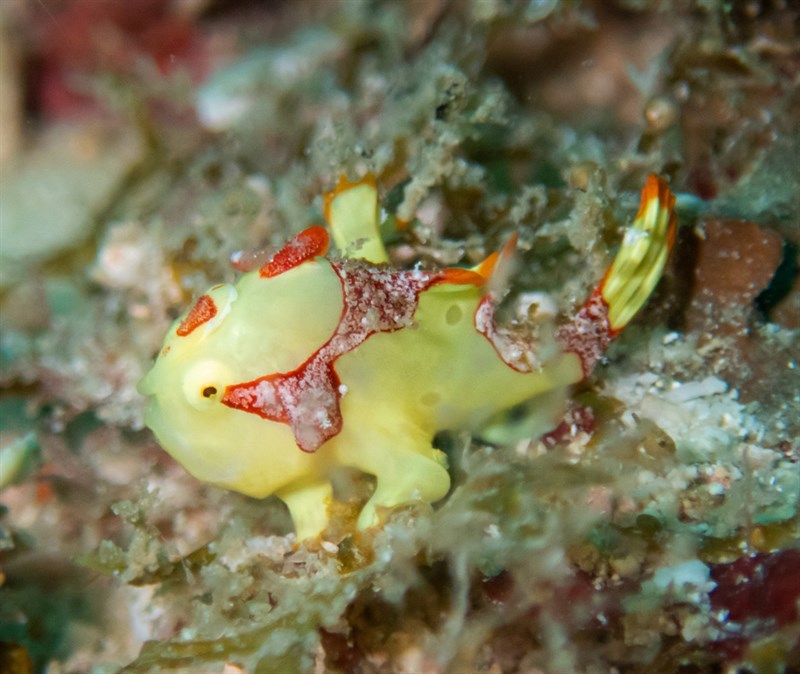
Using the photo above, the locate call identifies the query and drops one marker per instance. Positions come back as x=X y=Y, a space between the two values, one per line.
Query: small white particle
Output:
x=492 y=531
x=332 y=548
x=669 y=338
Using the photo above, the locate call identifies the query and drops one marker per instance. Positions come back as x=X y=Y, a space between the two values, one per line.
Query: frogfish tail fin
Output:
x=640 y=262
x=627 y=284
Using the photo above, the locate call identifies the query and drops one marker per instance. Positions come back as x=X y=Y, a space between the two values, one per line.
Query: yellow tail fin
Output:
x=640 y=262
x=629 y=281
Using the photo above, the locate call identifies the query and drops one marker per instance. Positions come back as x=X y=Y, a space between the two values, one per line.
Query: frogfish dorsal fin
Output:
x=351 y=210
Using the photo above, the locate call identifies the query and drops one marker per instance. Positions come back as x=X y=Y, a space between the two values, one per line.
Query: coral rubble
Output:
x=656 y=530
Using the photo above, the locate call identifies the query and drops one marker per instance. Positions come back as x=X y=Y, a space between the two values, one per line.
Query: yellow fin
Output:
x=309 y=506
x=640 y=262
x=351 y=210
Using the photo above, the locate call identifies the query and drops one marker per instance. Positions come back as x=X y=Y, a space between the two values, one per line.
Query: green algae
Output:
x=467 y=150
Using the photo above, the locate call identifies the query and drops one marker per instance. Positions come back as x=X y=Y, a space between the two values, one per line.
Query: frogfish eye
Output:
x=204 y=381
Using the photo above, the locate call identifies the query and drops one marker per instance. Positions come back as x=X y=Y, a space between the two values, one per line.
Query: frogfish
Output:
x=313 y=362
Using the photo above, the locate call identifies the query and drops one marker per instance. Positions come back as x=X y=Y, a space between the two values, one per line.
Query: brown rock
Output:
x=735 y=262
x=787 y=310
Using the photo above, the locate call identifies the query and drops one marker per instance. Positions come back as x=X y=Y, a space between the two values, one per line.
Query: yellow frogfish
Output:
x=310 y=364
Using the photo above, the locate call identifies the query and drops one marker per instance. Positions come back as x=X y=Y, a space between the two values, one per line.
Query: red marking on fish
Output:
x=307 y=399
x=308 y=244
x=589 y=333
x=512 y=348
x=202 y=312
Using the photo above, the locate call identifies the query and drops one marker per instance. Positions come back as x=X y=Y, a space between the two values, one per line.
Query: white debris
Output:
x=702 y=417
x=696 y=389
